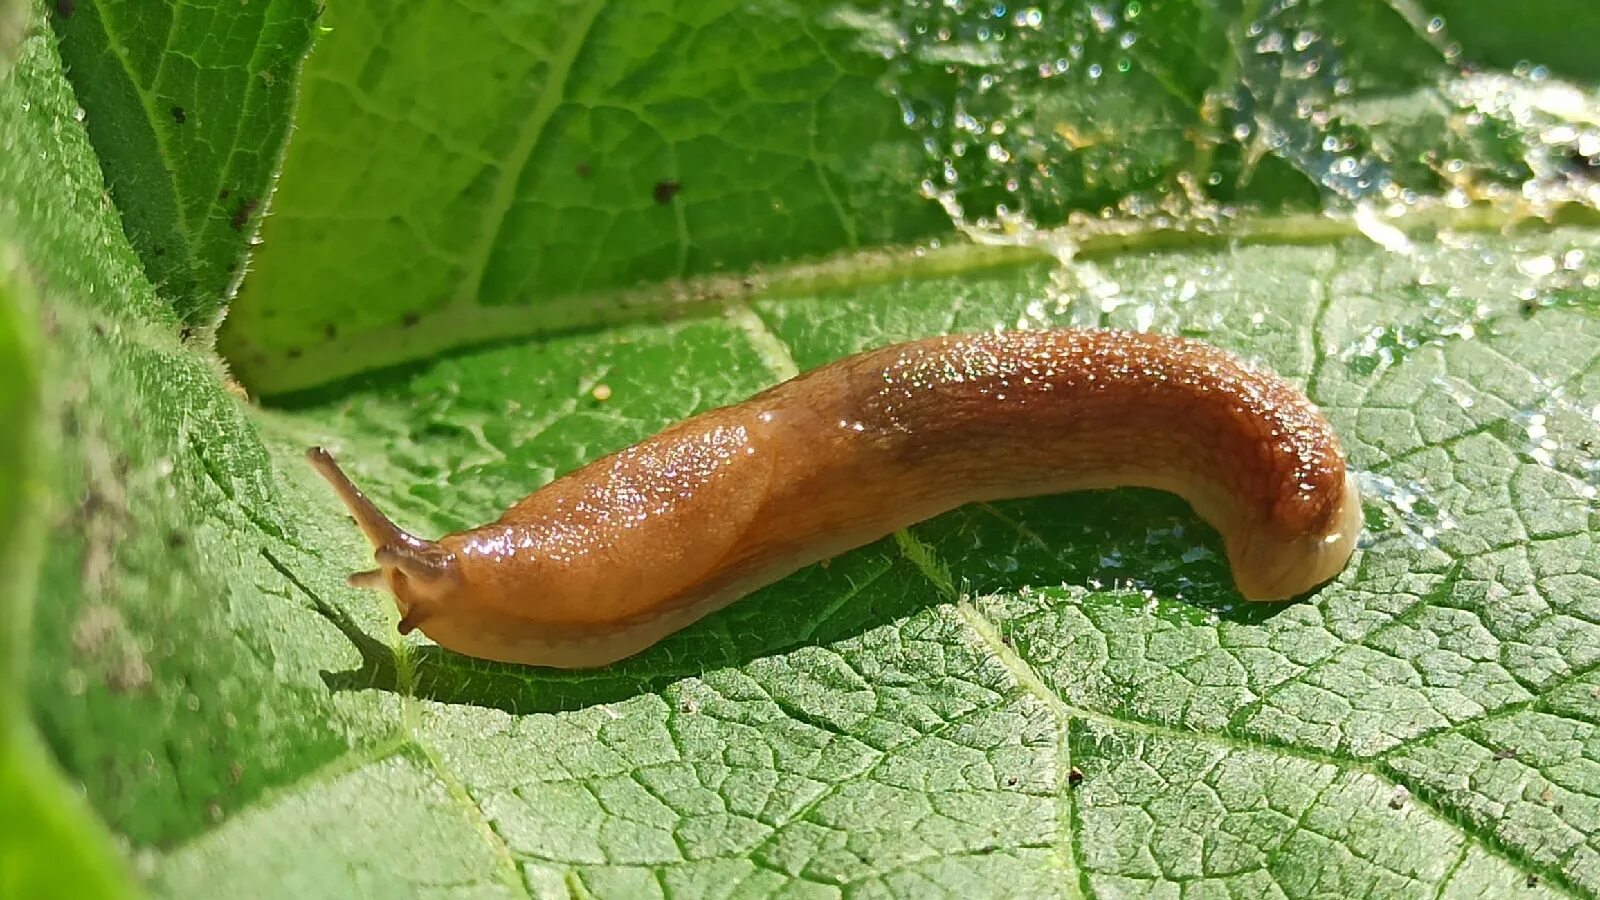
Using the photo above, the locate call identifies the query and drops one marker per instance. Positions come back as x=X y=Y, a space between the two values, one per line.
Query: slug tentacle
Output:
x=371 y=579
x=607 y=560
x=373 y=523
x=430 y=563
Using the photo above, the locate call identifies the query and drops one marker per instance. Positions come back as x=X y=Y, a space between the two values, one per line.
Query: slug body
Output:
x=607 y=560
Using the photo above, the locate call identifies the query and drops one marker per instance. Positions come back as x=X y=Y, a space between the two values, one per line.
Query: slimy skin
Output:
x=605 y=561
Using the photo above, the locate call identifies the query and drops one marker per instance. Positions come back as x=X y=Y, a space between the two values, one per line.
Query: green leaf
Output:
x=50 y=845
x=19 y=403
x=1060 y=696
x=425 y=206
x=188 y=105
x=145 y=679
x=909 y=718
x=589 y=148
x=1524 y=39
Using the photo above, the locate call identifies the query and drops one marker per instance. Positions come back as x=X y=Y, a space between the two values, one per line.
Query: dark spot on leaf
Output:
x=584 y=169
x=410 y=319
x=98 y=329
x=241 y=216
x=223 y=194
x=293 y=352
x=1012 y=781
x=101 y=638
x=176 y=540
x=185 y=333
x=330 y=331
x=65 y=8
x=1075 y=777
x=178 y=115
x=1506 y=753
x=1363 y=365
x=91 y=504
x=161 y=251
x=1533 y=881
x=1529 y=307
x=665 y=191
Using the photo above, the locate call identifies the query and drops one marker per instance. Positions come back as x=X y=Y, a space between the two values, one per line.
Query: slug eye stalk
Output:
x=373 y=523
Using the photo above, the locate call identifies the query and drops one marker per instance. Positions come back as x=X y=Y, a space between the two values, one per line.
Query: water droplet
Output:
x=1102 y=18
x=1538 y=266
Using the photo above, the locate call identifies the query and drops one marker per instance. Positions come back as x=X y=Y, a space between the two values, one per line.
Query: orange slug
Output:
x=605 y=561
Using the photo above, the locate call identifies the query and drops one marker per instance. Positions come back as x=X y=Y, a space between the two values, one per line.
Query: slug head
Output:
x=422 y=575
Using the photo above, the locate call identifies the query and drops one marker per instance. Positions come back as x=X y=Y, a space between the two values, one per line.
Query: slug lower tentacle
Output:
x=601 y=563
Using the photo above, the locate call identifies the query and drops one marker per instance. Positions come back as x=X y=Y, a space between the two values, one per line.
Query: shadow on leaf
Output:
x=820 y=604
x=1111 y=541
x=1128 y=540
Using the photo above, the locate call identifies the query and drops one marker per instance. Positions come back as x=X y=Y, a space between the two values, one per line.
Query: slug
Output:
x=605 y=561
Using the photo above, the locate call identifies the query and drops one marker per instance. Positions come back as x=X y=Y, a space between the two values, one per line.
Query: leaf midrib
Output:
x=505 y=188
x=459 y=326
x=119 y=47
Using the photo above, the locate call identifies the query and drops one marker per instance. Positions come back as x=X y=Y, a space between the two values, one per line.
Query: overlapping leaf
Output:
x=191 y=105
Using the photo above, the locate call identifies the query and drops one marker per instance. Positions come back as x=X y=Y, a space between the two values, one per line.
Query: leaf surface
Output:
x=1060 y=696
